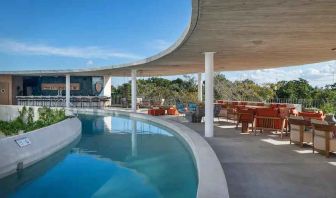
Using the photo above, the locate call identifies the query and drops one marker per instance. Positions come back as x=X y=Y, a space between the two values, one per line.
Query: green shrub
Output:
x=328 y=108
x=25 y=121
x=7 y=128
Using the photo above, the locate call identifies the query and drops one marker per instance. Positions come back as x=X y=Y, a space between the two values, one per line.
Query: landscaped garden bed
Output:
x=25 y=121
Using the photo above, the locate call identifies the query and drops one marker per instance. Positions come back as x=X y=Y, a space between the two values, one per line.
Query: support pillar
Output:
x=67 y=90
x=200 y=87
x=134 y=90
x=209 y=93
x=107 y=89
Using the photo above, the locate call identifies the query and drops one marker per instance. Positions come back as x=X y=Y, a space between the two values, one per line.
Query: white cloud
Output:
x=12 y=46
x=318 y=74
x=159 y=44
x=89 y=62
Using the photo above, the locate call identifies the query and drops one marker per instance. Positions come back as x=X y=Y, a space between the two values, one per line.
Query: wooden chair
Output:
x=323 y=138
x=311 y=115
x=246 y=117
x=298 y=133
x=231 y=114
x=269 y=119
x=217 y=111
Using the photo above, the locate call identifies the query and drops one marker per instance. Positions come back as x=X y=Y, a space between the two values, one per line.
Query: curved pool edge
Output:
x=44 y=142
x=211 y=178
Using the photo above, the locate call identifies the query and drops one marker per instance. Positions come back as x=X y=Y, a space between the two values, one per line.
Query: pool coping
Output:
x=211 y=178
x=40 y=147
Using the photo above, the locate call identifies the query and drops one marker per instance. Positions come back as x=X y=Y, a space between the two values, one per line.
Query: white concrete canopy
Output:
x=244 y=34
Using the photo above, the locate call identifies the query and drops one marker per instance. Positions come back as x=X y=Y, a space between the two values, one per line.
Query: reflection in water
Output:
x=134 y=138
x=108 y=123
x=12 y=182
x=115 y=157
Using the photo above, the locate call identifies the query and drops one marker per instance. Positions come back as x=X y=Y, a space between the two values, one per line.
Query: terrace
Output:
x=267 y=166
x=222 y=36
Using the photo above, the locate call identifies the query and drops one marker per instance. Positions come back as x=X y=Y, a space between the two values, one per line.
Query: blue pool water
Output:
x=115 y=157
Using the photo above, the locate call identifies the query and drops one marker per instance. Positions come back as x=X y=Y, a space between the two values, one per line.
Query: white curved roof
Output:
x=244 y=34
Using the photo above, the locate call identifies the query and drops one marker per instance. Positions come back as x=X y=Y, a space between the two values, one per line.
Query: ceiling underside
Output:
x=245 y=34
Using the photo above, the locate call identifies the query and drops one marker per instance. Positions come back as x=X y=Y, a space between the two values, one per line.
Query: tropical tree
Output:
x=295 y=89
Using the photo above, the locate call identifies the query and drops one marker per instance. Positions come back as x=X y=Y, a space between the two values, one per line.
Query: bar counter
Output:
x=59 y=101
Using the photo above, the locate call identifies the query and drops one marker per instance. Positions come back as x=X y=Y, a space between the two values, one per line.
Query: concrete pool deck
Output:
x=266 y=166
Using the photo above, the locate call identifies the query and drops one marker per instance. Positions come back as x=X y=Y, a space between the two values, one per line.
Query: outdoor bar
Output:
x=53 y=91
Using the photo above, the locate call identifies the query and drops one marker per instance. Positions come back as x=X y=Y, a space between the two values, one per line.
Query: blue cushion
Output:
x=192 y=106
x=180 y=107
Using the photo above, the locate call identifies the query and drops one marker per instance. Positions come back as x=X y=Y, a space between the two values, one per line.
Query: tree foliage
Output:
x=295 y=89
x=185 y=90
x=156 y=89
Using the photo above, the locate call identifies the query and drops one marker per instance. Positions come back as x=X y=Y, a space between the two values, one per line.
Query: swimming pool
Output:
x=115 y=157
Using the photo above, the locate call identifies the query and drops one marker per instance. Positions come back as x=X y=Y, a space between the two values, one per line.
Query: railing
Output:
x=306 y=103
x=119 y=100
x=59 y=101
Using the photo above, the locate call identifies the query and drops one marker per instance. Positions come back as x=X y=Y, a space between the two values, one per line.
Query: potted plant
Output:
x=329 y=110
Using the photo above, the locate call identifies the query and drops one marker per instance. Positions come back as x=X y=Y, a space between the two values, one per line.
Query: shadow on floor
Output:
x=267 y=166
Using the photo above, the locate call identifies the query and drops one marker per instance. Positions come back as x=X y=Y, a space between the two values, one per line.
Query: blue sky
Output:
x=67 y=34
x=63 y=34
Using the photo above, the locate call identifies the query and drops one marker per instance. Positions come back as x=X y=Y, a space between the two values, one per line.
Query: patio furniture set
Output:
x=162 y=110
x=304 y=127
x=261 y=117
x=192 y=111
x=309 y=129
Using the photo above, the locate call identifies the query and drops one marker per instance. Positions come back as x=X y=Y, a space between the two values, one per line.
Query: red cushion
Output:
x=310 y=115
x=268 y=112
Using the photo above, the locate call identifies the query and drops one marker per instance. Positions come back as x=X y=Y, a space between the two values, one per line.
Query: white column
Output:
x=209 y=92
x=67 y=90
x=134 y=90
x=134 y=139
x=107 y=86
x=107 y=89
x=200 y=87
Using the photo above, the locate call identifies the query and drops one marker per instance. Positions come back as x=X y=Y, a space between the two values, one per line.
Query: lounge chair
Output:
x=197 y=115
x=192 y=106
x=180 y=108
